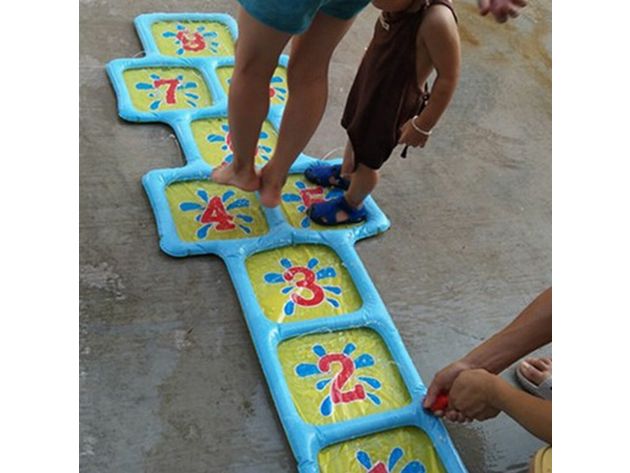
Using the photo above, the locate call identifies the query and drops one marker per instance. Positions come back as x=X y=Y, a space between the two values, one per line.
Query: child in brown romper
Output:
x=387 y=104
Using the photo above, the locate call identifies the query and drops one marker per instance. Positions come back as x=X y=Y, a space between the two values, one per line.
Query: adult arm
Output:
x=529 y=331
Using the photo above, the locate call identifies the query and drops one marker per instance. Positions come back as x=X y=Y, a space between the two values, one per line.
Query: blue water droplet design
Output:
x=349 y=348
x=334 y=289
x=396 y=455
x=245 y=218
x=289 y=308
x=374 y=398
x=326 y=407
x=414 y=467
x=214 y=138
x=187 y=206
x=328 y=272
x=291 y=198
x=364 y=361
x=304 y=370
x=238 y=204
x=364 y=459
x=203 y=231
x=333 y=302
x=273 y=278
x=373 y=382
x=286 y=262
x=322 y=384
x=226 y=195
x=319 y=350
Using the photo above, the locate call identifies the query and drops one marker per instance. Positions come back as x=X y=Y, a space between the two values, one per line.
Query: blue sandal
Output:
x=325 y=213
x=327 y=176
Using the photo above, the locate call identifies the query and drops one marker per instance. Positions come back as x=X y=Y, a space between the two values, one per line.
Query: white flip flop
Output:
x=542 y=390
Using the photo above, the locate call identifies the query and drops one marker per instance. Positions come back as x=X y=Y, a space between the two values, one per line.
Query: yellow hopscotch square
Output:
x=341 y=375
x=404 y=450
x=212 y=136
x=191 y=38
x=302 y=282
x=278 y=86
x=157 y=89
x=203 y=210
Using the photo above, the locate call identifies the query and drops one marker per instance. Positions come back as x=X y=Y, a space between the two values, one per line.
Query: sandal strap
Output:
x=326 y=212
x=321 y=173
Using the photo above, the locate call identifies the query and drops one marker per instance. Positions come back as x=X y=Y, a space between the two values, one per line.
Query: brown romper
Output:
x=385 y=93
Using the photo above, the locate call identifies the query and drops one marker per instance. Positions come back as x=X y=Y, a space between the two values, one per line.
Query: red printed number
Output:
x=313 y=195
x=170 y=91
x=215 y=213
x=191 y=42
x=379 y=468
x=341 y=378
x=308 y=282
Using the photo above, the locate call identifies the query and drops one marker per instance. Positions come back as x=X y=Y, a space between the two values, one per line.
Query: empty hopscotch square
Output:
x=203 y=210
x=404 y=450
x=302 y=282
x=213 y=139
x=278 y=86
x=341 y=375
x=158 y=89
x=192 y=38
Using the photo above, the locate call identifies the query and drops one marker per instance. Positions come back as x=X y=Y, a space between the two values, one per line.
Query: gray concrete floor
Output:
x=469 y=247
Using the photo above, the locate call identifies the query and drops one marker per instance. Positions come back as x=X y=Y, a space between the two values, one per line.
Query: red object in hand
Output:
x=440 y=403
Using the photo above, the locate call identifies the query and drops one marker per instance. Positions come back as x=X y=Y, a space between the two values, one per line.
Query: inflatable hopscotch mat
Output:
x=345 y=388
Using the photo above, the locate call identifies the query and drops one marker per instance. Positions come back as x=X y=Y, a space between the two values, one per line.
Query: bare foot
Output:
x=247 y=181
x=535 y=376
x=271 y=187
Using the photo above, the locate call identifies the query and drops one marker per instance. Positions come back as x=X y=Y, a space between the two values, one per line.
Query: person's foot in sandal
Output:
x=534 y=374
x=336 y=212
x=327 y=176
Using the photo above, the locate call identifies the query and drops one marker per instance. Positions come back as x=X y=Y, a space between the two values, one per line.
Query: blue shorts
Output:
x=295 y=16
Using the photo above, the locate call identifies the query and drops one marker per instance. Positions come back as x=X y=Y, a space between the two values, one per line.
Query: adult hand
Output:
x=410 y=136
x=473 y=394
x=442 y=382
x=501 y=9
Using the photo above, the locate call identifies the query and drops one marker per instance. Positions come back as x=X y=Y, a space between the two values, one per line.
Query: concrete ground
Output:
x=169 y=378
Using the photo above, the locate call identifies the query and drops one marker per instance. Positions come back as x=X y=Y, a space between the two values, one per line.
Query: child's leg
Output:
x=362 y=183
x=308 y=92
x=348 y=161
x=349 y=208
x=257 y=51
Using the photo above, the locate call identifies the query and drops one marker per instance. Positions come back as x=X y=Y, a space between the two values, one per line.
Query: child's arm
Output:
x=480 y=395
x=439 y=36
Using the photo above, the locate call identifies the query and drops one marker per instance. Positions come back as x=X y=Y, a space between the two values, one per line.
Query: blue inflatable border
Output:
x=306 y=440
